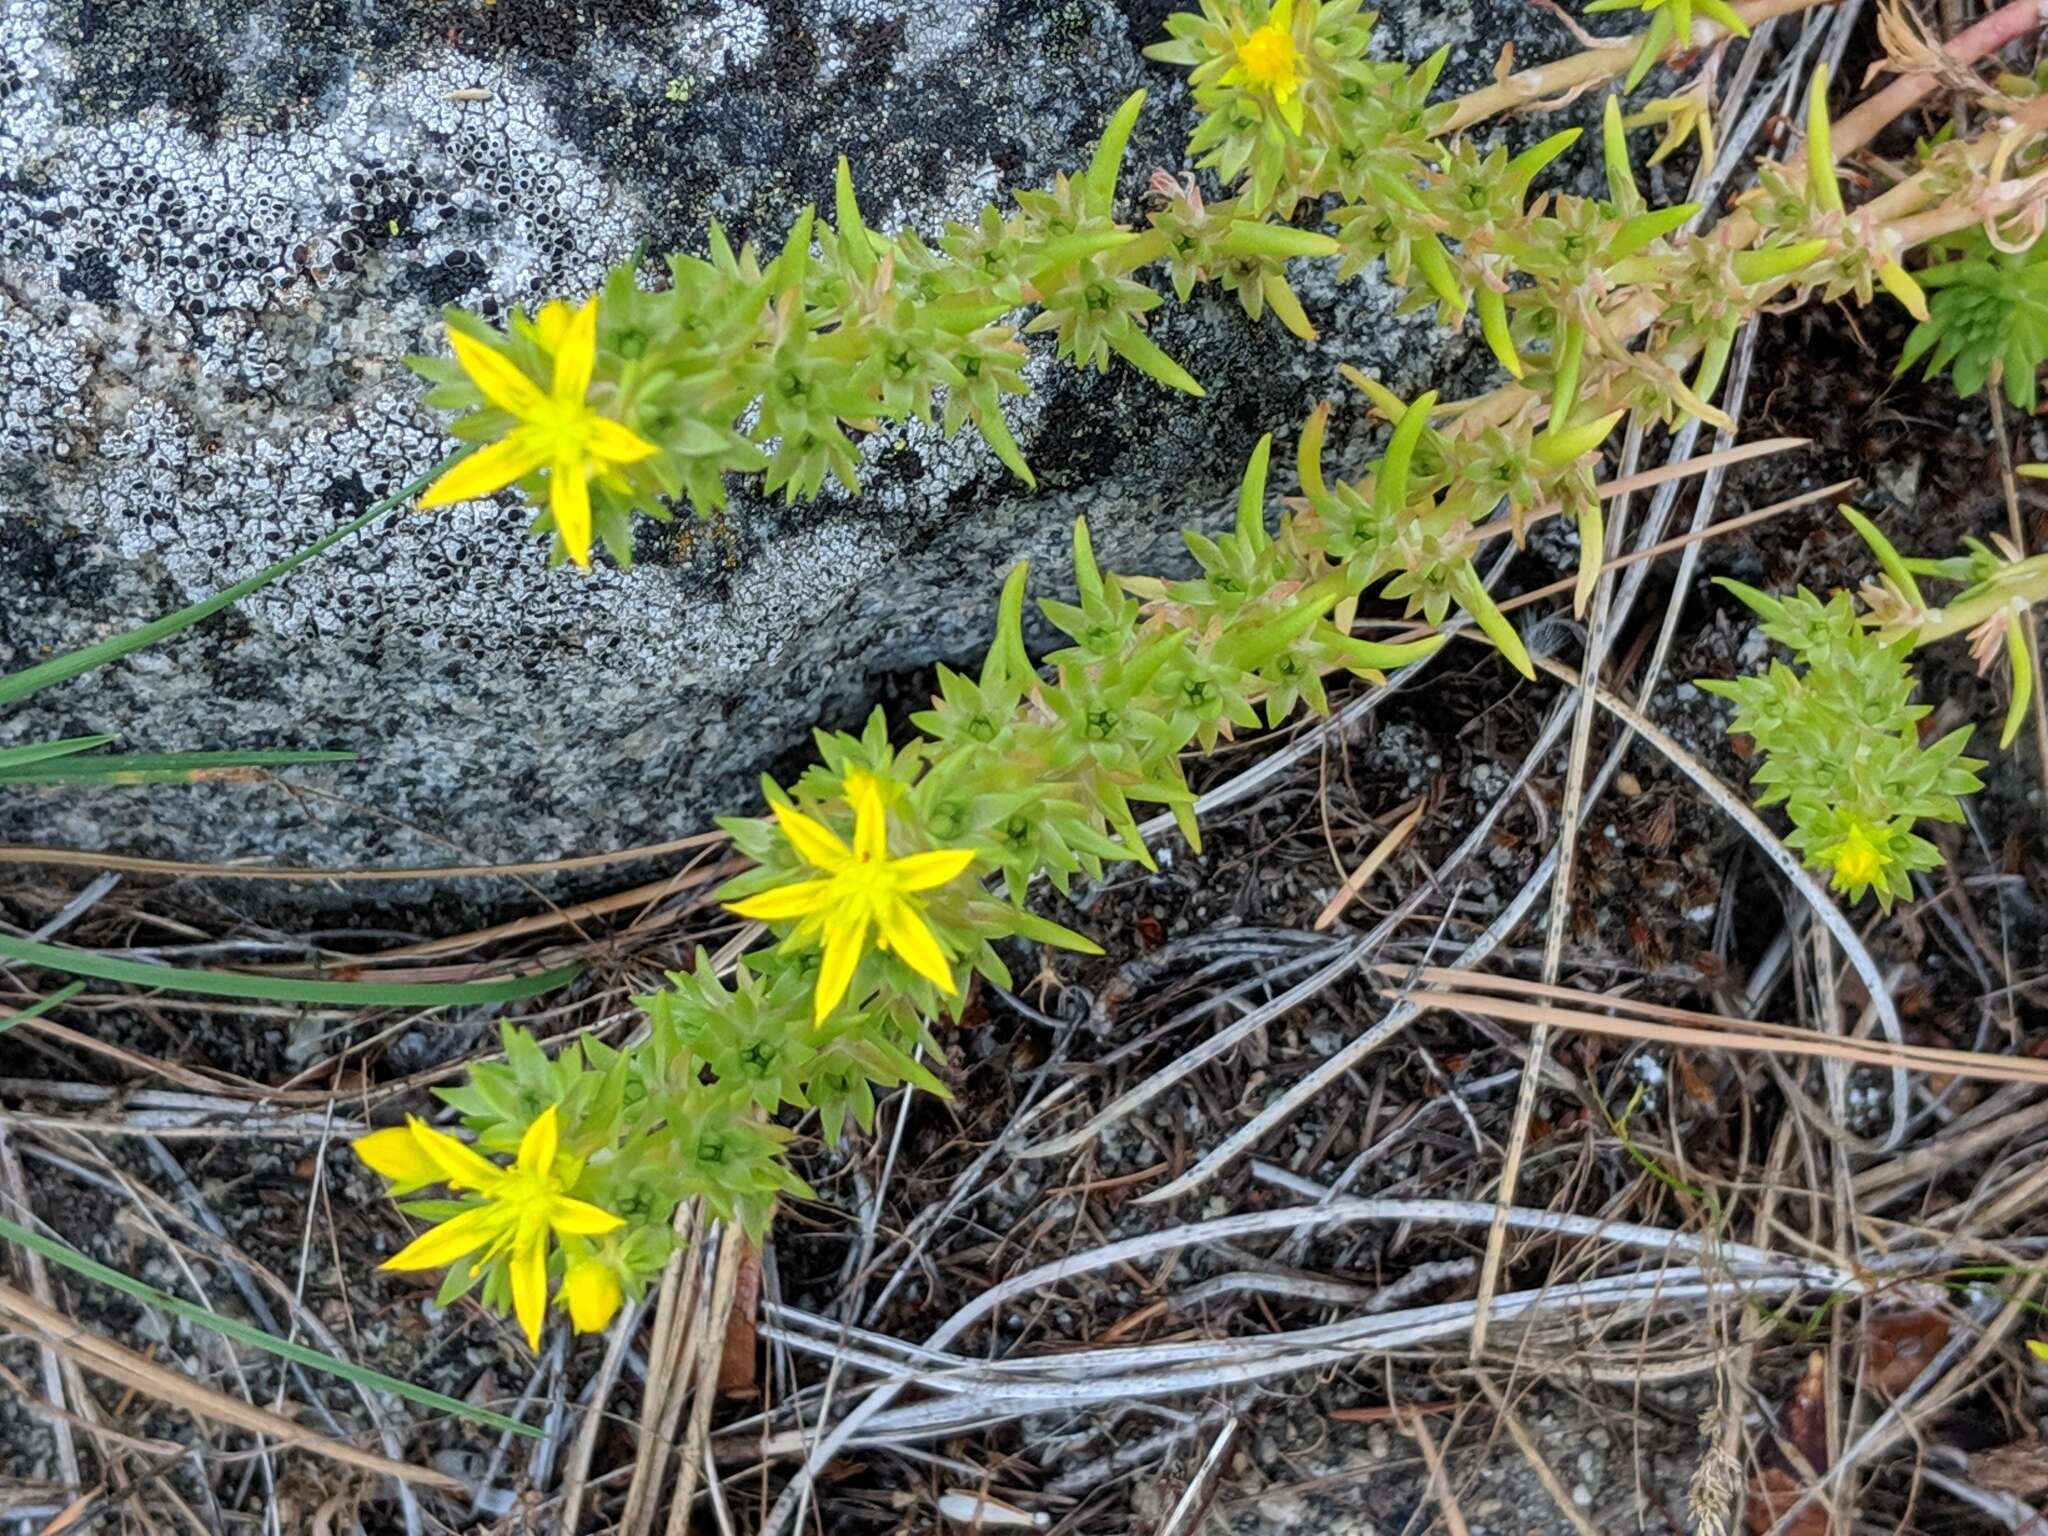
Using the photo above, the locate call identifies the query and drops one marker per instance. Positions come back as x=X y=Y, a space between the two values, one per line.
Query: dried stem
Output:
x=1569 y=76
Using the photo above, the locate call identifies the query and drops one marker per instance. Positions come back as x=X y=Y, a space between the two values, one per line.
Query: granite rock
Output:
x=224 y=222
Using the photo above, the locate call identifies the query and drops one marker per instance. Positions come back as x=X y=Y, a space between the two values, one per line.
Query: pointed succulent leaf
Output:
x=2021 y=656
x=1640 y=231
x=1564 y=389
x=1308 y=462
x=1822 y=185
x=1888 y=557
x=1253 y=237
x=1569 y=444
x=1251 y=495
x=1139 y=350
x=1100 y=179
x=1523 y=169
x=846 y=209
x=1493 y=325
x=1390 y=488
x=1473 y=597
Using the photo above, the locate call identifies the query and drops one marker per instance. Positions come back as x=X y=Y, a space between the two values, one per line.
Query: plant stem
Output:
x=1581 y=70
x=2024 y=582
x=2000 y=199
x=1855 y=130
x=2008 y=24
x=1898 y=209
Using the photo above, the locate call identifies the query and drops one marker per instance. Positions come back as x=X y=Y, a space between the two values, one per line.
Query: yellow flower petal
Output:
x=814 y=842
x=576 y=356
x=486 y=471
x=529 y=1276
x=496 y=375
x=579 y=1218
x=542 y=1140
x=860 y=783
x=438 y=1247
x=569 y=496
x=866 y=888
x=905 y=934
x=786 y=901
x=845 y=934
x=459 y=1162
x=551 y=322
x=591 y=1292
x=612 y=442
x=922 y=871
x=870 y=819
x=1856 y=859
x=398 y=1156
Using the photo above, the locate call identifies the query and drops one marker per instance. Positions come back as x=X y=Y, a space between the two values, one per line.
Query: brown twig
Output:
x=117 y=1363
x=86 y=858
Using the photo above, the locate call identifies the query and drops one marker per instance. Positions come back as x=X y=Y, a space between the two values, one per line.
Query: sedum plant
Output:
x=889 y=872
x=1987 y=318
x=642 y=397
x=1840 y=735
x=1595 y=307
x=601 y=1146
x=1839 y=731
x=873 y=869
x=1600 y=308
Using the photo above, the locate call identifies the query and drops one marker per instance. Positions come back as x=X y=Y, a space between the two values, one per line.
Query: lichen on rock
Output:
x=222 y=227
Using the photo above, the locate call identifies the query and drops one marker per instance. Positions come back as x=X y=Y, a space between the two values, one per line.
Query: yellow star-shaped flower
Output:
x=864 y=894
x=523 y=1206
x=557 y=428
x=1856 y=859
x=1269 y=61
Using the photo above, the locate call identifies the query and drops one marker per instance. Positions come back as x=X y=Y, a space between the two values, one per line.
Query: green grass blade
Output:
x=160 y=767
x=55 y=999
x=19 y=685
x=67 y=1257
x=42 y=751
x=284 y=989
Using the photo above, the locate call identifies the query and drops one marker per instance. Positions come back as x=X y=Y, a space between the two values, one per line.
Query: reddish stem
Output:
x=2007 y=24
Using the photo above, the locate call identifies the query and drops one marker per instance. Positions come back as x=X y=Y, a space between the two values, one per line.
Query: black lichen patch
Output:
x=559 y=29
x=91 y=276
x=709 y=551
x=381 y=209
x=1146 y=19
x=28 y=573
x=130 y=57
x=243 y=64
x=451 y=279
x=753 y=139
x=871 y=50
x=1063 y=25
